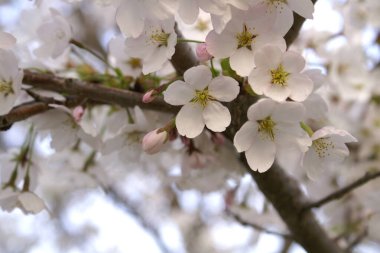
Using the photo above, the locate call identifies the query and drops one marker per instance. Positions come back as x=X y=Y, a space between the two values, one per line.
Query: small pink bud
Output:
x=153 y=141
x=202 y=53
x=148 y=97
x=78 y=113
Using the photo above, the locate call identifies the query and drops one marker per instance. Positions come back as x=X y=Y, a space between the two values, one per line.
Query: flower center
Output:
x=276 y=2
x=266 y=127
x=245 y=38
x=279 y=76
x=322 y=146
x=135 y=63
x=160 y=37
x=6 y=87
x=202 y=97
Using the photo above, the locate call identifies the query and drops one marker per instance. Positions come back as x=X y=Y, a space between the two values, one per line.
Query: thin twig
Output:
x=343 y=191
x=258 y=227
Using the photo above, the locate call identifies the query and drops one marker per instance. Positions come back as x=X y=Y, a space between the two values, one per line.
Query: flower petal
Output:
x=224 y=88
x=301 y=86
x=189 y=120
x=303 y=8
x=289 y=112
x=221 y=45
x=178 y=93
x=268 y=57
x=198 y=77
x=216 y=116
x=188 y=11
x=277 y=93
x=293 y=62
x=260 y=156
x=242 y=61
x=262 y=109
x=244 y=137
x=259 y=79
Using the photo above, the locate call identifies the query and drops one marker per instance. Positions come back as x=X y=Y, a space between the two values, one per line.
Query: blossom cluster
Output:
x=247 y=37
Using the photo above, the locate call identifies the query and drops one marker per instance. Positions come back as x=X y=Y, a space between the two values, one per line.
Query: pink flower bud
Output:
x=202 y=53
x=148 y=97
x=153 y=141
x=78 y=113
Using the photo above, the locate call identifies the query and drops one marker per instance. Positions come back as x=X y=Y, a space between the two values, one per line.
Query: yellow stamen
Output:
x=161 y=38
x=266 y=128
x=279 y=76
x=322 y=147
x=202 y=97
x=245 y=38
x=6 y=87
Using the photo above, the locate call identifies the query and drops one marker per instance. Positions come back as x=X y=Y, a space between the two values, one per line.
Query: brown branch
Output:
x=345 y=190
x=22 y=112
x=94 y=92
x=258 y=227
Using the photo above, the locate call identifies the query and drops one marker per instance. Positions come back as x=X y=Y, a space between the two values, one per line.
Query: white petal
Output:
x=243 y=138
x=304 y=8
x=216 y=116
x=189 y=120
x=242 y=61
x=268 y=39
x=221 y=45
x=224 y=88
x=301 y=86
x=198 y=77
x=259 y=79
x=277 y=93
x=129 y=19
x=313 y=164
x=283 y=20
x=316 y=76
x=155 y=61
x=178 y=93
x=31 y=203
x=316 y=107
x=261 y=109
x=7 y=40
x=290 y=112
x=188 y=11
x=260 y=156
x=268 y=57
x=293 y=62
x=343 y=135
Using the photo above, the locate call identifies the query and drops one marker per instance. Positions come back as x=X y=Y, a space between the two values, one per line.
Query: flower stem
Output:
x=307 y=129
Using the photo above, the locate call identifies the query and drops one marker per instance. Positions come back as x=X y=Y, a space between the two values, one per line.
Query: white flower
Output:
x=270 y=126
x=10 y=80
x=120 y=58
x=188 y=10
x=328 y=149
x=277 y=75
x=7 y=40
x=200 y=95
x=131 y=16
x=155 y=46
x=55 y=36
x=240 y=39
x=282 y=10
x=28 y=202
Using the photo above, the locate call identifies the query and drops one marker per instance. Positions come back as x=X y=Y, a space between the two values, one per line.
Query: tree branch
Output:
x=343 y=191
x=258 y=227
x=22 y=112
x=94 y=92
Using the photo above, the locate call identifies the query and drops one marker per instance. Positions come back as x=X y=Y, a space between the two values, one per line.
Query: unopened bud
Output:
x=78 y=113
x=148 y=97
x=153 y=141
x=202 y=53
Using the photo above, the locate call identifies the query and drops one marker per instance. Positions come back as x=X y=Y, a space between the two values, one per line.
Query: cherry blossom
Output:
x=328 y=149
x=200 y=95
x=270 y=126
x=155 y=46
x=132 y=15
x=28 y=202
x=55 y=35
x=10 y=80
x=281 y=11
x=277 y=75
x=241 y=38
